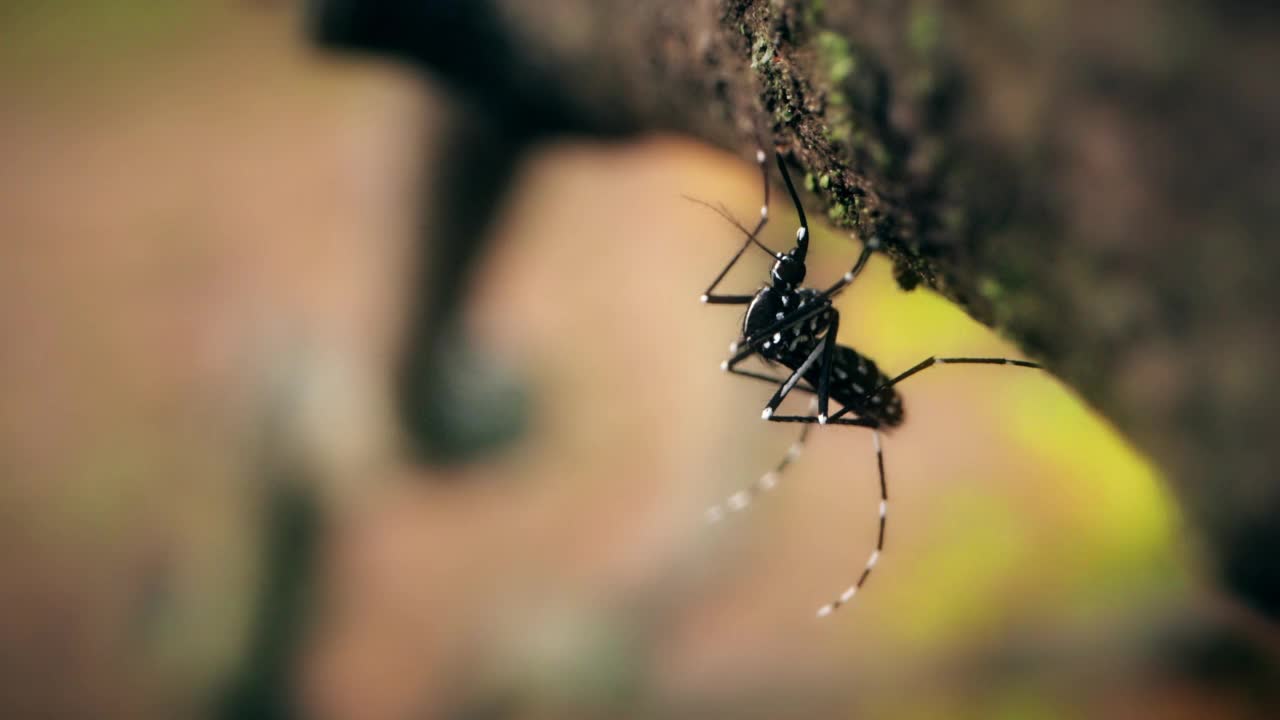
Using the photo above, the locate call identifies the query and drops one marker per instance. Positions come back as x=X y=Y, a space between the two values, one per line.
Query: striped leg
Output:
x=867 y=248
x=852 y=590
x=740 y=500
x=790 y=383
x=801 y=386
x=709 y=296
x=931 y=361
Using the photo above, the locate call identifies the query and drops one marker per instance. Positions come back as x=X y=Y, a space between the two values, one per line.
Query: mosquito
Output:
x=797 y=328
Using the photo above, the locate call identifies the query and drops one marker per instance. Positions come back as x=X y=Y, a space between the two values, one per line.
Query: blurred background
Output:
x=207 y=228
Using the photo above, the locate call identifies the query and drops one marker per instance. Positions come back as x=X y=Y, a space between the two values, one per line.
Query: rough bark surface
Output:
x=1096 y=180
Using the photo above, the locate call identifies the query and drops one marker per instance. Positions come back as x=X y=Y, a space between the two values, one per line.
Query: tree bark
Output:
x=1096 y=180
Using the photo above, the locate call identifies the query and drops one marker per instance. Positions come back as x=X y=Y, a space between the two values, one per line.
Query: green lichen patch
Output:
x=836 y=56
x=761 y=53
x=924 y=27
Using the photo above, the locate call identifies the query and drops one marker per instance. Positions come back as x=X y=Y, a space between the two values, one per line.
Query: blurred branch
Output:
x=263 y=688
x=290 y=537
x=453 y=400
x=1096 y=180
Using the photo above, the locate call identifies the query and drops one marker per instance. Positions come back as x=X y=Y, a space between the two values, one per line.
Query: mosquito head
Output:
x=789 y=270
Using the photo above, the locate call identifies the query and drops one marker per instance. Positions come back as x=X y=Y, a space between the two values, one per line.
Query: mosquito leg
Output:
x=802 y=386
x=790 y=383
x=743 y=498
x=930 y=362
x=863 y=257
x=824 y=377
x=852 y=590
x=709 y=296
x=833 y=420
x=848 y=594
x=740 y=500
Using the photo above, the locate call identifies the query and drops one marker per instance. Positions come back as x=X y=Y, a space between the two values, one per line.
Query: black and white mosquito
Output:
x=797 y=327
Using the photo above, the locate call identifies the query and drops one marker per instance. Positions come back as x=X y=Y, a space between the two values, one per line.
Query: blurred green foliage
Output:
x=69 y=31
